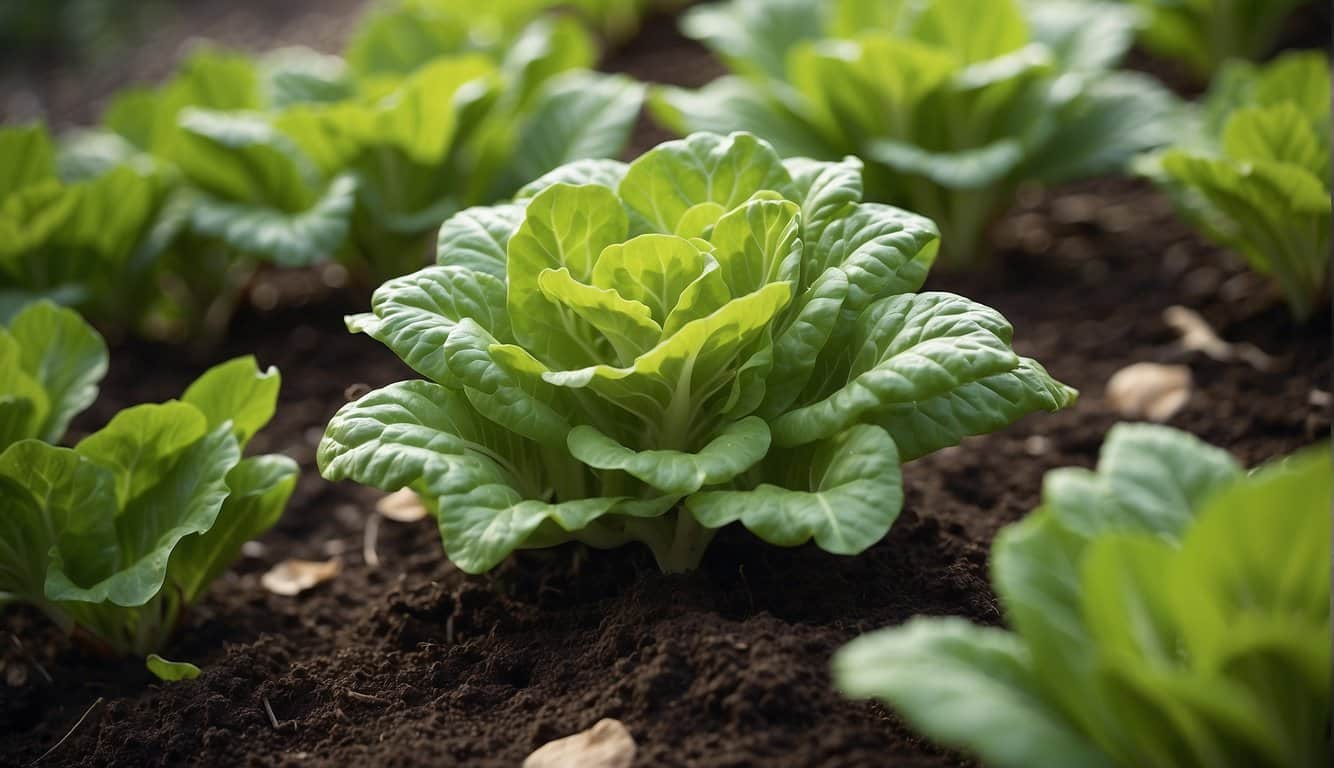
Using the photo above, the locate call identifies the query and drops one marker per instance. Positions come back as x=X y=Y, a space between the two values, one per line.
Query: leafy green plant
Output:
x=77 y=243
x=430 y=130
x=952 y=103
x=1167 y=610
x=1205 y=33
x=649 y=352
x=115 y=537
x=50 y=364
x=1255 y=176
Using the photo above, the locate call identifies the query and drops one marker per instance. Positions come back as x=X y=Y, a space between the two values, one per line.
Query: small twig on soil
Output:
x=32 y=659
x=359 y=696
x=449 y=630
x=71 y=731
x=268 y=708
x=368 y=541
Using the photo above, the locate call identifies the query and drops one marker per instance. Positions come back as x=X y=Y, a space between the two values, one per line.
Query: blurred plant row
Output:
x=155 y=220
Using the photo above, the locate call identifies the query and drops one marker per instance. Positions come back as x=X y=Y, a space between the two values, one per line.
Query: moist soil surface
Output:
x=403 y=660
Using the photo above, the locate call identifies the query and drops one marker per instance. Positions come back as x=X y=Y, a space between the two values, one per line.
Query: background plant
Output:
x=1167 y=610
x=296 y=158
x=650 y=352
x=1203 y=34
x=1254 y=173
x=79 y=243
x=952 y=103
x=115 y=537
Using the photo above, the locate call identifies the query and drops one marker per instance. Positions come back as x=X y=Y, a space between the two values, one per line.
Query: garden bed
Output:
x=406 y=661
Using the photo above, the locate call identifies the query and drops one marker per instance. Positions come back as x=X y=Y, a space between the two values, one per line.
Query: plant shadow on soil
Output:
x=410 y=662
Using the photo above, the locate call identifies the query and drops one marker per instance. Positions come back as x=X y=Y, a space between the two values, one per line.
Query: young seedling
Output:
x=649 y=352
x=1168 y=609
x=115 y=537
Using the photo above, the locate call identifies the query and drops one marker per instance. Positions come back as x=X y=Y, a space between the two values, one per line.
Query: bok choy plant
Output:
x=430 y=129
x=50 y=364
x=1167 y=610
x=1255 y=177
x=952 y=103
x=115 y=537
x=1205 y=33
x=649 y=352
x=75 y=242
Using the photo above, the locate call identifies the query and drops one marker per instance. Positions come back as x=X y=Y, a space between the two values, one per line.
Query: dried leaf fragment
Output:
x=1150 y=390
x=292 y=577
x=402 y=506
x=608 y=744
x=1198 y=336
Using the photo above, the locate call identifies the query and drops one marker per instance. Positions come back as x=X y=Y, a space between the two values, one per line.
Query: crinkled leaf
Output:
x=907 y=349
x=844 y=492
x=414 y=315
x=735 y=449
x=665 y=182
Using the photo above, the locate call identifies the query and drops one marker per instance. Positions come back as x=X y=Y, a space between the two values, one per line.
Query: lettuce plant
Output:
x=1255 y=176
x=50 y=364
x=952 y=103
x=433 y=126
x=1167 y=610
x=75 y=242
x=1205 y=33
x=649 y=352
x=115 y=537
x=242 y=193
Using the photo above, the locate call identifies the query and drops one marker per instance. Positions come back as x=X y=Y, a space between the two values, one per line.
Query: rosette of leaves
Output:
x=952 y=103
x=50 y=364
x=242 y=192
x=443 y=116
x=1205 y=33
x=115 y=537
x=649 y=352
x=75 y=242
x=1255 y=178
x=1167 y=610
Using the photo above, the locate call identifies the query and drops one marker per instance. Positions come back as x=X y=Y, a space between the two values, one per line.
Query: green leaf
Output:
x=414 y=315
x=66 y=356
x=844 y=492
x=627 y=325
x=52 y=497
x=601 y=171
x=654 y=270
x=1277 y=134
x=300 y=238
x=1149 y=479
x=171 y=671
x=976 y=408
x=180 y=495
x=757 y=244
x=734 y=104
x=966 y=686
x=578 y=115
x=27 y=157
x=883 y=251
x=668 y=180
x=477 y=238
x=236 y=391
x=257 y=491
x=906 y=349
x=732 y=451
x=564 y=226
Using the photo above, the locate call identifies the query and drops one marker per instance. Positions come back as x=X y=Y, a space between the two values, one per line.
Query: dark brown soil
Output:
x=412 y=663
